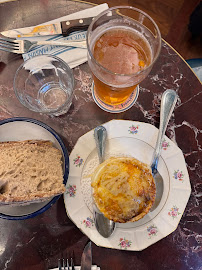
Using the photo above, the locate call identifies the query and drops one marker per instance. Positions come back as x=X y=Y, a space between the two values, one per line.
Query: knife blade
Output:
x=86 y=258
x=64 y=28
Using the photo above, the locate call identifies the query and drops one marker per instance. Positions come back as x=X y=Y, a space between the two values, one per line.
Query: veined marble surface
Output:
x=38 y=243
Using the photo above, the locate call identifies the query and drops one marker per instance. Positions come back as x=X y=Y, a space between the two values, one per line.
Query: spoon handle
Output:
x=168 y=102
x=100 y=134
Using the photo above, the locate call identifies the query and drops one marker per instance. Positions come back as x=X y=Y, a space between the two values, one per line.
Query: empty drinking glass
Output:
x=45 y=84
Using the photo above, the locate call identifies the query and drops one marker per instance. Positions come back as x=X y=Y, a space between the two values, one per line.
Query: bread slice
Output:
x=30 y=171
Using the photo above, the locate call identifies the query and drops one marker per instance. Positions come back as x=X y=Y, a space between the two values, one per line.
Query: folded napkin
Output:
x=73 y=56
x=4 y=1
x=94 y=267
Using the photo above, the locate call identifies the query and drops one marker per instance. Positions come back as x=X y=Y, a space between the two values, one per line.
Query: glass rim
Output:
x=122 y=74
x=39 y=110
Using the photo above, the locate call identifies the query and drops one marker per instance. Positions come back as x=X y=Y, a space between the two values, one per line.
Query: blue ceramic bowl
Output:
x=18 y=129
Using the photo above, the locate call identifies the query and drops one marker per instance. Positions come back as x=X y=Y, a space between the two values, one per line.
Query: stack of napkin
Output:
x=73 y=56
x=94 y=267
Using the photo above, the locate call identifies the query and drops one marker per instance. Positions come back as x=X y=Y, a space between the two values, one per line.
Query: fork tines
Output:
x=8 y=44
x=64 y=264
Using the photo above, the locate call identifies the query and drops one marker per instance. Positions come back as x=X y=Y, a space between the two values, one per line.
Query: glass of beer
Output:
x=123 y=44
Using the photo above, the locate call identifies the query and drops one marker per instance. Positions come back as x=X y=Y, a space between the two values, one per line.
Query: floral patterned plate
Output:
x=137 y=139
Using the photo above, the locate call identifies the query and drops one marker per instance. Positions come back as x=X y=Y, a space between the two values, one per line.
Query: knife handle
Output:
x=75 y=25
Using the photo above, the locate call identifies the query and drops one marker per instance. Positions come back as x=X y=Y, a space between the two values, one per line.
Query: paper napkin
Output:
x=73 y=56
x=94 y=267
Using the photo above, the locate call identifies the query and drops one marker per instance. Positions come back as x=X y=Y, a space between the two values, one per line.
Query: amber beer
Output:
x=110 y=94
x=121 y=52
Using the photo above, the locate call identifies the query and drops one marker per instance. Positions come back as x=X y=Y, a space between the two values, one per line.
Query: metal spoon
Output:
x=104 y=226
x=168 y=102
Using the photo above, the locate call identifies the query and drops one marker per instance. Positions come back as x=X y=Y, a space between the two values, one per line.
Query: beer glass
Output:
x=123 y=44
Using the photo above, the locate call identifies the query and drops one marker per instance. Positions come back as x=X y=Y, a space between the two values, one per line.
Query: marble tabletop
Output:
x=37 y=243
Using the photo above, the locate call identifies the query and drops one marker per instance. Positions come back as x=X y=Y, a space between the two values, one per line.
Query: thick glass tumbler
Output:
x=45 y=84
x=123 y=44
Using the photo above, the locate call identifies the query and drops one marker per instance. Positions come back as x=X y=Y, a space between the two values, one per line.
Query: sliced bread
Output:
x=30 y=171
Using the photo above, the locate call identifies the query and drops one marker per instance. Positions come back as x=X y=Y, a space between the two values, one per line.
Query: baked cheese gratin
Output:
x=123 y=189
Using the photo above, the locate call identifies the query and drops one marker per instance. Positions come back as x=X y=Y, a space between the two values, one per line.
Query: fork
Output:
x=23 y=46
x=63 y=266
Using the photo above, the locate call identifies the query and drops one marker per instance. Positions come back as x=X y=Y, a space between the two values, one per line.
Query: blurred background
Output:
x=180 y=22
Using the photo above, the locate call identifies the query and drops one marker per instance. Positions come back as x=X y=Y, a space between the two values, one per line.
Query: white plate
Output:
x=135 y=139
x=19 y=129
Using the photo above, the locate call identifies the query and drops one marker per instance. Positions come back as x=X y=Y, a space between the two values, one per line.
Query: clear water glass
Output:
x=45 y=84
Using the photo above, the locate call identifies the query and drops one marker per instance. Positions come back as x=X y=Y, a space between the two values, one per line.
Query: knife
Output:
x=64 y=28
x=86 y=258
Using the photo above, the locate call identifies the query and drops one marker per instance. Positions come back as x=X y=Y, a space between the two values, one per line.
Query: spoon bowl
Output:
x=103 y=225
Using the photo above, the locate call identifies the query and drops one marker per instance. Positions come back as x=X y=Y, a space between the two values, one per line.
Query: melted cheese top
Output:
x=123 y=189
